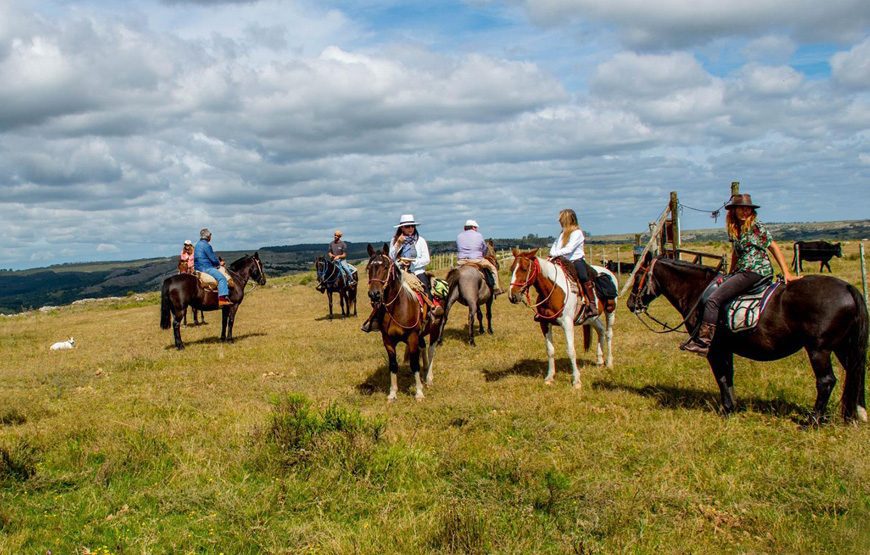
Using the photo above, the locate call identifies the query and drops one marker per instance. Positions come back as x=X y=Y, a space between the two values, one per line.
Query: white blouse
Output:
x=573 y=250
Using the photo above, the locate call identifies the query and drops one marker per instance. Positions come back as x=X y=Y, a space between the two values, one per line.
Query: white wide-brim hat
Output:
x=188 y=242
x=407 y=219
x=471 y=223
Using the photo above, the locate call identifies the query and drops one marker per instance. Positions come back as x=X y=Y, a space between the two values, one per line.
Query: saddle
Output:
x=744 y=311
x=209 y=283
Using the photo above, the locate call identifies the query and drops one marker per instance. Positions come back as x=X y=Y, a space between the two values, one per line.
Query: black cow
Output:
x=817 y=251
x=621 y=267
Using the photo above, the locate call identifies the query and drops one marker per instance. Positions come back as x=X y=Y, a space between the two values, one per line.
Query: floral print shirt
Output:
x=751 y=249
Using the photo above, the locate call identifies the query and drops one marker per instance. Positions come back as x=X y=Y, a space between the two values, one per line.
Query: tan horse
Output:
x=401 y=319
x=557 y=303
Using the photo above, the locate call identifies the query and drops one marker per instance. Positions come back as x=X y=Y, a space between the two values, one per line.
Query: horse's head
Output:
x=643 y=289
x=490 y=251
x=524 y=270
x=257 y=273
x=381 y=271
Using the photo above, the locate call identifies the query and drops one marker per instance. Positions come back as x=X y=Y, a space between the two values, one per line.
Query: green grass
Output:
x=284 y=441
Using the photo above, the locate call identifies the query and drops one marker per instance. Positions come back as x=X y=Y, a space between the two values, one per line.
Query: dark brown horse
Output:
x=401 y=319
x=333 y=279
x=183 y=290
x=198 y=315
x=468 y=286
x=821 y=314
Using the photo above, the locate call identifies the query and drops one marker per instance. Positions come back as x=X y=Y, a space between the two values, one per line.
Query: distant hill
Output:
x=64 y=283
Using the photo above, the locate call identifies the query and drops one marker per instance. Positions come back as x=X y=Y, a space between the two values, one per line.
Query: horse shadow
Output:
x=532 y=368
x=379 y=381
x=339 y=316
x=673 y=397
x=216 y=339
x=461 y=334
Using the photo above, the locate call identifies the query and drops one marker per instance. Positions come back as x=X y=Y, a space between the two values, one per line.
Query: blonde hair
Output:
x=735 y=226
x=568 y=221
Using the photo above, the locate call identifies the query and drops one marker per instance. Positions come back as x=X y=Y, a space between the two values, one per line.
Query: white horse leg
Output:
x=551 y=356
x=598 y=325
x=568 y=326
x=418 y=384
x=394 y=387
x=608 y=333
x=429 y=363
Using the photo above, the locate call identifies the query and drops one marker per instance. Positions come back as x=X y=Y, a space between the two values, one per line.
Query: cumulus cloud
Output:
x=679 y=23
x=273 y=123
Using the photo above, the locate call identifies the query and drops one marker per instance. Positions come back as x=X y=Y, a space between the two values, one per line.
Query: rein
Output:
x=648 y=288
x=330 y=277
x=391 y=278
x=531 y=278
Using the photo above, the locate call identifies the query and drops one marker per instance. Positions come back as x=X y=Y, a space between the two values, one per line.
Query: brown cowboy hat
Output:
x=741 y=200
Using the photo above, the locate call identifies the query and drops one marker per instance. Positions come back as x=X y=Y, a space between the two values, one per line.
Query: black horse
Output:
x=332 y=278
x=183 y=290
x=821 y=314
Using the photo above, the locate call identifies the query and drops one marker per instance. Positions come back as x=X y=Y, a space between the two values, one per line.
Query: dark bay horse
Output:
x=821 y=314
x=183 y=290
x=468 y=286
x=330 y=276
x=401 y=319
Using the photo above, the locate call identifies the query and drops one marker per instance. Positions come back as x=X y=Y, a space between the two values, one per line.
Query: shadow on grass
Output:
x=379 y=381
x=335 y=316
x=461 y=335
x=536 y=368
x=215 y=339
x=672 y=397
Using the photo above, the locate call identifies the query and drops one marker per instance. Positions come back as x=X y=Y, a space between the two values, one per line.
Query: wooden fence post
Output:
x=735 y=188
x=797 y=259
x=863 y=271
x=675 y=223
x=618 y=269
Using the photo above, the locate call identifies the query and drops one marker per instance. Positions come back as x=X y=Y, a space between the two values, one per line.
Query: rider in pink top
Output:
x=186 y=264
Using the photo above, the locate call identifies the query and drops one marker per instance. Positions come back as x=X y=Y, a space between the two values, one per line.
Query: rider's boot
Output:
x=700 y=345
x=590 y=310
x=224 y=301
x=371 y=323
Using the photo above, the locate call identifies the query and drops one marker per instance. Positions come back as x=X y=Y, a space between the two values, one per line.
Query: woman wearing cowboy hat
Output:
x=750 y=264
x=407 y=247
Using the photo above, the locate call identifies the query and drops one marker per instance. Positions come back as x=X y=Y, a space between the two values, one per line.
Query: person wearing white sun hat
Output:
x=407 y=247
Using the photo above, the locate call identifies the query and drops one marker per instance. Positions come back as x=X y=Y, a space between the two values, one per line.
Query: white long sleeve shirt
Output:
x=419 y=264
x=573 y=250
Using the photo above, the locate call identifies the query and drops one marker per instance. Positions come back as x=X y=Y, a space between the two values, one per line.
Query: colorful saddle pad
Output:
x=743 y=313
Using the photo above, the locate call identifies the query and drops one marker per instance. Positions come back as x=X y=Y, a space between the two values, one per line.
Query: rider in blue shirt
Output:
x=206 y=261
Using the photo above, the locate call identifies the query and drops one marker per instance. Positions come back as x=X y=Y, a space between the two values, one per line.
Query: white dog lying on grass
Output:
x=62 y=345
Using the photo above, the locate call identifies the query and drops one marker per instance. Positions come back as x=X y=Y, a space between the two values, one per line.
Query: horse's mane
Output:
x=690 y=266
x=236 y=265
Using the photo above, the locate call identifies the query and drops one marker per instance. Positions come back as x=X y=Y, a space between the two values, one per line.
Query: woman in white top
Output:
x=569 y=247
x=409 y=247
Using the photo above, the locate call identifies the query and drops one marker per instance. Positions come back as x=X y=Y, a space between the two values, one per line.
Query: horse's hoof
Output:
x=861 y=414
x=391 y=398
x=548 y=382
x=419 y=396
x=577 y=385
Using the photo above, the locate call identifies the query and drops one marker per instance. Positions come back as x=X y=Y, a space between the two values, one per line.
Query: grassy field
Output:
x=284 y=443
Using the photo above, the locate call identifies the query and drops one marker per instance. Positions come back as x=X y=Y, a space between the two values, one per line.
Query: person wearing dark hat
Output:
x=750 y=264
x=206 y=261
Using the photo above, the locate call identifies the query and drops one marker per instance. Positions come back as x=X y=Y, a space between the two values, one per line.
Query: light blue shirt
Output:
x=470 y=245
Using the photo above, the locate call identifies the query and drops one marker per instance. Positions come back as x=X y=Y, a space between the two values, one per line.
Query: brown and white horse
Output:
x=401 y=319
x=557 y=304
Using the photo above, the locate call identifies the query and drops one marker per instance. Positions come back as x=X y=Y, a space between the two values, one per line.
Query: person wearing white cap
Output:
x=408 y=247
x=185 y=260
x=471 y=249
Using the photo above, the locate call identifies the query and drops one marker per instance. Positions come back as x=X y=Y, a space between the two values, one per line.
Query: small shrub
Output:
x=12 y=418
x=461 y=530
x=556 y=484
x=297 y=433
x=17 y=462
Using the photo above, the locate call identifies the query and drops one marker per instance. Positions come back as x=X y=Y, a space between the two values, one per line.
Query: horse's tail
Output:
x=165 y=306
x=854 y=361
x=587 y=337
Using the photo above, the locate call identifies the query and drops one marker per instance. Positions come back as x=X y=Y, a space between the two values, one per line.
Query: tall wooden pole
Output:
x=863 y=271
x=675 y=222
x=735 y=188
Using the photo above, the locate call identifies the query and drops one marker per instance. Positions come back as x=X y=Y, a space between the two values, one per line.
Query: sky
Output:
x=125 y=127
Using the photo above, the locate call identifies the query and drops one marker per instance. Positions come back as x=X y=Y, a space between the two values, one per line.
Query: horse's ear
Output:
x=371 y=250
x=257 y=255
x=515 y=251
x=385 y=249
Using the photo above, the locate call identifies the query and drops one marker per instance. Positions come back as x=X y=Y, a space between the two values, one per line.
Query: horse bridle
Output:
x=335 y=270
x=526 y=289
x=647 y=287
x=391 y=276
